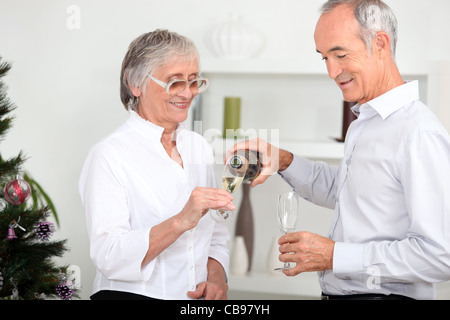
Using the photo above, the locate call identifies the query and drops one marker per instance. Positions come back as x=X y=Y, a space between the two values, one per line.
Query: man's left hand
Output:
x=311 y=252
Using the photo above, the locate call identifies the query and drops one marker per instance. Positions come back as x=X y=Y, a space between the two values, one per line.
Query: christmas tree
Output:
x=26 y=267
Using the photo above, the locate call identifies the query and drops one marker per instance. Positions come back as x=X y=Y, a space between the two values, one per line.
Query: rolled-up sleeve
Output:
x=218 y=249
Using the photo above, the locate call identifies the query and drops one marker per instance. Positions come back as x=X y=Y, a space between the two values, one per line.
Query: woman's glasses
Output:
x=177 y=86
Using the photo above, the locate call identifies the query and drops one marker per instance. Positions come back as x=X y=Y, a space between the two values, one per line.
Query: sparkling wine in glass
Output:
x=287 y=216
x=232 y=177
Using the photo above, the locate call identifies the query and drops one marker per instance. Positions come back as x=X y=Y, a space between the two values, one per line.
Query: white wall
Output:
x=65 y=81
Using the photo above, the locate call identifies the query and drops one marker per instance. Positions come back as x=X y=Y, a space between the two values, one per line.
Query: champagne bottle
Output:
x=247 y=160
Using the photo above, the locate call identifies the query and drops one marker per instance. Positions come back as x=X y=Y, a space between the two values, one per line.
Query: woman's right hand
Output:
x=198 y=204
x=202 y=200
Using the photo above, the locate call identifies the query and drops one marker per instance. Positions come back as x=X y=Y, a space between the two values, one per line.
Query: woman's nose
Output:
x=186 y=93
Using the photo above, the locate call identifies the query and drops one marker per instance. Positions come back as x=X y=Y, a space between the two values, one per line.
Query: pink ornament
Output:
x=11 y=234
x=17 y=191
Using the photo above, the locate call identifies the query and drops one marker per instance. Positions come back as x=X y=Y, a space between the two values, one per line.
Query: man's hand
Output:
x=311 y=252
x=272 y=158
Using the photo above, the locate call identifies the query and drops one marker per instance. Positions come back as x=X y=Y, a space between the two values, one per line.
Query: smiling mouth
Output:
x=182 y=105
x=343 y=83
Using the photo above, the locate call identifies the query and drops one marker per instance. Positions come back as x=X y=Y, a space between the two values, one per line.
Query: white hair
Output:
x=146 y=54
x=373 y=16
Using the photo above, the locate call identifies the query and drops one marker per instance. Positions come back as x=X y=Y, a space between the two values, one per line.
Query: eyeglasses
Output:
x=177 y=86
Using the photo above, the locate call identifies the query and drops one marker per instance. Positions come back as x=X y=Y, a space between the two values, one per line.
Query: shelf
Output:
x=305 y=284
x=315 y=150
x=299 y=67
x=260 y=66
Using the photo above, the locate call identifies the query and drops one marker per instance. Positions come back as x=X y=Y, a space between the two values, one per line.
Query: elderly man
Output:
x=390 y=236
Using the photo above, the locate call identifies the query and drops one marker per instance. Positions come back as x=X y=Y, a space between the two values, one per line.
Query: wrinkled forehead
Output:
x=336 y=28
x=179 y=64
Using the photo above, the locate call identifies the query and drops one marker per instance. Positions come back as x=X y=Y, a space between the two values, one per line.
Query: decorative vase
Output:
x=197 y=114
x=231 y=116
x=273 y=260
x=347 y=118
x=234 y=39
x=239 y=257
x=244 y=223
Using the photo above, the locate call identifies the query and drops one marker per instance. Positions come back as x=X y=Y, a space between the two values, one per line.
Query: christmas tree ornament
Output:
x=22 y=255
x=41 y=296
x=17 y=191
x=64 y=292
x=44 y=230
x=11 y=233
x=65 y=287
x=15 y=291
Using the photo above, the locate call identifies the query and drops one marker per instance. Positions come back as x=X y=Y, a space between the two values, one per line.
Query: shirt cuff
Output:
x=348 y=260
x=222 y=258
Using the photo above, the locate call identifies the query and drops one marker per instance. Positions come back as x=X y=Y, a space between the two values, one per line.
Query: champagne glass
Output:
x=287 y=216
x=232 y=177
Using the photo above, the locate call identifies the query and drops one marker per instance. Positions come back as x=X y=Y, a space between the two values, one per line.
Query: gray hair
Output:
x=146 y=54
x=373 y=16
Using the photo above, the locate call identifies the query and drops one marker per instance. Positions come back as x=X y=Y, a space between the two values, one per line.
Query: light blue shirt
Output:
x=391 y=196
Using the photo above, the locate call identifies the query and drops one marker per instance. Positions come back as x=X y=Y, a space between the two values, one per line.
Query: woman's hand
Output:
x=198 y=204
x=200 y=201
x=215 y=287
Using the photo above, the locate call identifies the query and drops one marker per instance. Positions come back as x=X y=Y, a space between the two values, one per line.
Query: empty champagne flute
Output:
x=287 y=216
x=232 y=177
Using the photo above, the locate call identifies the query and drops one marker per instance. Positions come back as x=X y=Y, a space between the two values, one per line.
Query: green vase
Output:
x=231 y=116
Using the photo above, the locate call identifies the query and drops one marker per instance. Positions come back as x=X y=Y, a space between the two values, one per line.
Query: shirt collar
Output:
x=388 y=103
x=149 y=128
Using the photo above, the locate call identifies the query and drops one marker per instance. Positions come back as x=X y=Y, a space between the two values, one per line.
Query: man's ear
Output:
x=382 y=44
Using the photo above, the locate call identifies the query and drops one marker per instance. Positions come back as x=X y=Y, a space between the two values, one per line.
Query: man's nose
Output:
x=334 y=69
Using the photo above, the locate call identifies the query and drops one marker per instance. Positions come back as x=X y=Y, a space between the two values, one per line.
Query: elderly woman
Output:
x=147 y=187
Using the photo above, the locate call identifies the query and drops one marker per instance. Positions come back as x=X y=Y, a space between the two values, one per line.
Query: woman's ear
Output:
x=135 y=90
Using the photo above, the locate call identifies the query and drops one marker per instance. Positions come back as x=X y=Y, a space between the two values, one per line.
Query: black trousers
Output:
x=365 y=297
x=118 y=295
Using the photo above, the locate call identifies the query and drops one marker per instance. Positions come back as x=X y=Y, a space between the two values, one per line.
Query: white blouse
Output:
x=128 y=185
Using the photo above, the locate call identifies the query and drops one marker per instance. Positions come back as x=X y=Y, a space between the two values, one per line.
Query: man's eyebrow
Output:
x=337 y=48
